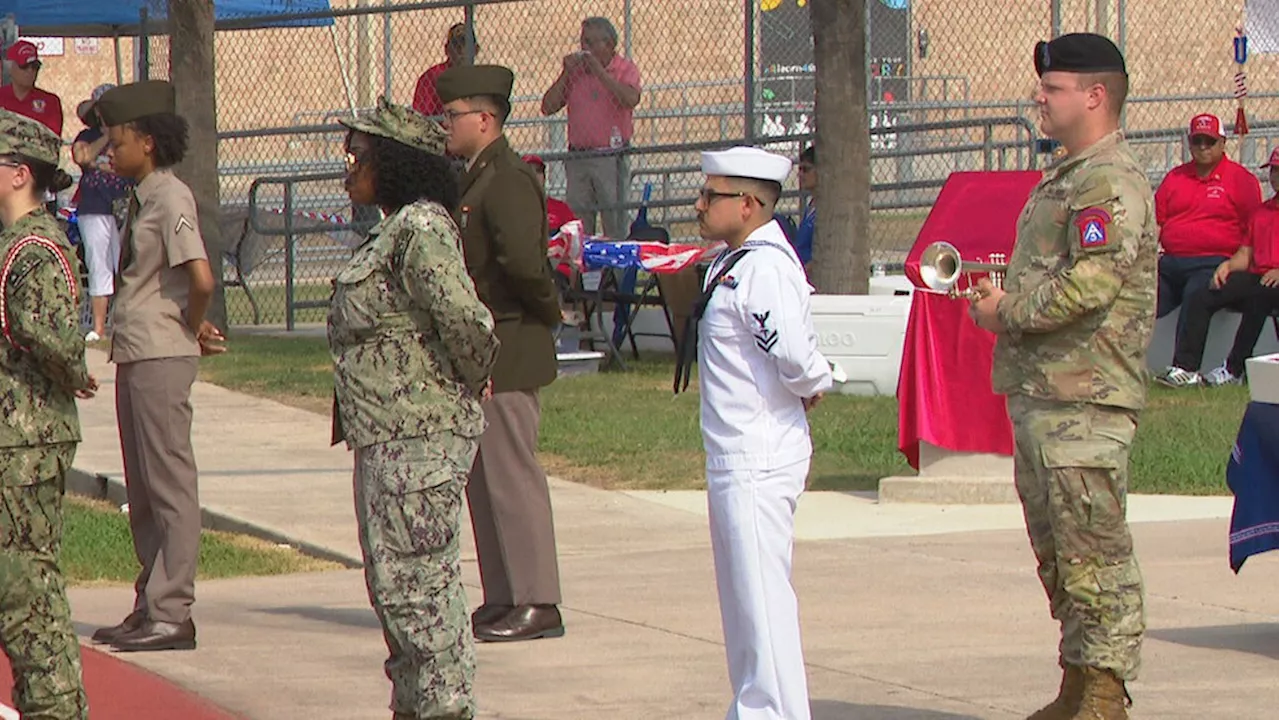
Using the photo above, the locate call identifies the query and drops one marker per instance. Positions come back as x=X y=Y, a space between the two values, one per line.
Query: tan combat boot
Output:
x=1064 y=706
x=1104 y=697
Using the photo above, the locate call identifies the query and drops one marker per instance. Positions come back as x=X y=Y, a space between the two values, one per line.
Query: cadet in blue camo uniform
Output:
x=42 y=371
x=412 y=349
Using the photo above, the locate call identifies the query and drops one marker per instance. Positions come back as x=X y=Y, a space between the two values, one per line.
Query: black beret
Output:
x=1079 y=53
x=127 y=103
x=471 y=80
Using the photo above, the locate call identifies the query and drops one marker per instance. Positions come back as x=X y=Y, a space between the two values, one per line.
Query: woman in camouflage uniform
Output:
x=412 y=348
x=42 y=371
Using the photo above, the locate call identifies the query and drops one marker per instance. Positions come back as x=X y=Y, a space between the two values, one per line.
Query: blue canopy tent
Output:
x=121 y=18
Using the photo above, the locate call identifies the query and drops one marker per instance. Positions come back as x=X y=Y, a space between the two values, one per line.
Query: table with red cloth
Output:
x=944 y=382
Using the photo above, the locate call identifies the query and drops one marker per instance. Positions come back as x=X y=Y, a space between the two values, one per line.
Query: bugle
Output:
x=941 y=268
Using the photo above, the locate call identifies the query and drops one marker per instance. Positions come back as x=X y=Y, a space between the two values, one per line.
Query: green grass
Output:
x=271 y=303
x=1184 y=439
x=292 y=369
x=98 y=549
x=625 y=430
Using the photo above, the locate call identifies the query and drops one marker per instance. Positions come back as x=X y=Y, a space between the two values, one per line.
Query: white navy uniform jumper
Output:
x=758 y=357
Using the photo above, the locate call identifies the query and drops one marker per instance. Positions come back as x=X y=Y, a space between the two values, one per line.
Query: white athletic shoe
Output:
x=92 y=337
x=1222 y=376
x=1177 y=377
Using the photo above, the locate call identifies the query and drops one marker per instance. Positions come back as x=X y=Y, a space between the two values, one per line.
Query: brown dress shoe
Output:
x=158 y=636
x=488 y=614
x=131 y=623
x=525 y=622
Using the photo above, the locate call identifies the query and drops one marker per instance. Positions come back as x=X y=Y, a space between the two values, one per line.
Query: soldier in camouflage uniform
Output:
x=1073 y=323
x=412 y=348
x=42 y=371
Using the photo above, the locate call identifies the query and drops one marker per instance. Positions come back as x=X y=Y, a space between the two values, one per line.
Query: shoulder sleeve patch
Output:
x=1094 y=225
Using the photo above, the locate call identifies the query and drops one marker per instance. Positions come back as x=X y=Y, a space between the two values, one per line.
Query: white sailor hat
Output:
x=747 y=162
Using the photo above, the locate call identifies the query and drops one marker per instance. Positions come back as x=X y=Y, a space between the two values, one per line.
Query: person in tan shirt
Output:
x=162 y=292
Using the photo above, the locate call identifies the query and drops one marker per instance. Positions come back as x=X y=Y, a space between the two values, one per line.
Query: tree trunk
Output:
x=841 y=253
x=191 y=71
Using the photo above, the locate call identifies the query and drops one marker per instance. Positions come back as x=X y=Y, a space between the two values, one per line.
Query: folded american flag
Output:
x=571 y=247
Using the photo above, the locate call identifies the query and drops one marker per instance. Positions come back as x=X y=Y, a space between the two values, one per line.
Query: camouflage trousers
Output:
x=35 y=619
x=408 y=508
x=1071 y=468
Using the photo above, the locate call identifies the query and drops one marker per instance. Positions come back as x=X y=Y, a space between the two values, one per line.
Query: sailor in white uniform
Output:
x=759 y=372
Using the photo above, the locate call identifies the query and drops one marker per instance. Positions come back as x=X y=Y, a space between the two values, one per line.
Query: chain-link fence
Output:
x=951 y=88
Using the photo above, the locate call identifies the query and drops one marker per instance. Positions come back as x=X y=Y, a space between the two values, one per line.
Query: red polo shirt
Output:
x=425 y=98
x=39 y=105
x=1264 y=237
x=559 y=213
x=1207 y=216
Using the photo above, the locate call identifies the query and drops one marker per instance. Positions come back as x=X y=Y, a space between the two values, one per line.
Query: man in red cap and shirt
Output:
x=425 y=98
x=21 y=94
x=1245 y=283
x=558 y=211
x=1203 y=209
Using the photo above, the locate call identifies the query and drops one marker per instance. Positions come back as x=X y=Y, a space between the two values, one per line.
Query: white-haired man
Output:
x=21 y=94
x=760 y=371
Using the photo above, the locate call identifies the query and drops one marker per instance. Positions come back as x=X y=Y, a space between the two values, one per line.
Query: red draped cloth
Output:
x=944 y=384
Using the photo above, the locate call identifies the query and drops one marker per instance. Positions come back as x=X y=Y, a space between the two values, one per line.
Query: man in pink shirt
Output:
x=1245 y=283
x=600 y=88
x=1203 y=209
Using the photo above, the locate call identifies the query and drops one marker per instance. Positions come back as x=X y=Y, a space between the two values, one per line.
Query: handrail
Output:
x=291 y=305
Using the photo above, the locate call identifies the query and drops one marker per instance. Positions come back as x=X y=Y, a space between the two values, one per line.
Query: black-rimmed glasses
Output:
x=708 y=196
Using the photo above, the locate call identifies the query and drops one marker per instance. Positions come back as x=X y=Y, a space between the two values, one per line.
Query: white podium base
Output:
x=954 y=478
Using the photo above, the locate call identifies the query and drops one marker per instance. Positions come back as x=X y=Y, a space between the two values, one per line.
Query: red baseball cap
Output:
x=1274 y=160
x=22 y=53
x=1206 y=124
x=534 y=160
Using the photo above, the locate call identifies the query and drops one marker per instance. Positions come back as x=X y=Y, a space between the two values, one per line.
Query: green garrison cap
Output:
x=471 y=80
x=29 y=138
x=404 y=125
x=127 y=103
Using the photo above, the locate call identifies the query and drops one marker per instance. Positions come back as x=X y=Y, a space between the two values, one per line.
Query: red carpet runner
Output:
x=120 y=691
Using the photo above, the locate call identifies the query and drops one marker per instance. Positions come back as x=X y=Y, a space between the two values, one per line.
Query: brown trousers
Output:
x=511 y=506
x=153 y=410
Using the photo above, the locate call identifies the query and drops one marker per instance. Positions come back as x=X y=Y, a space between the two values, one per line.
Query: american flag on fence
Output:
x=571 y=247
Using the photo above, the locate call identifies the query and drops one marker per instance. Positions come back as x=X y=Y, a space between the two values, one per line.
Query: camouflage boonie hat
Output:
x=402 y=124
x=29 y=138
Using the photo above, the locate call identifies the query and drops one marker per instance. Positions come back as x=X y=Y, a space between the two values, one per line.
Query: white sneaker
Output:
x=92 y=337
x=1177 y=377
x=1221 y=376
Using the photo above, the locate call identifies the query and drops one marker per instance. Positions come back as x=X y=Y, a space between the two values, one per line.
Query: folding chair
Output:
x=573 y=293
x=613 y=288
x=237 y=257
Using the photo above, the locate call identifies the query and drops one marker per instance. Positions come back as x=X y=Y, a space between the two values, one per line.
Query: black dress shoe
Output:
x=525 y=622
x=158 y=636
x=131 y=623
x=488 y=614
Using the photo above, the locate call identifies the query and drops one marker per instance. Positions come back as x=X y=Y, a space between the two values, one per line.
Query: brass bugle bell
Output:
x=941 y=267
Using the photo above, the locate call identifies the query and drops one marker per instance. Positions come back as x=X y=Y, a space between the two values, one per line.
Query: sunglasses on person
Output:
x=33 y=65
x=1203 y=141
x=353 y=159
x=708 y=196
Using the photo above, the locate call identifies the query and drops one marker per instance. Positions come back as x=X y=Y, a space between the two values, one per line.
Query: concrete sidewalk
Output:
x=899 y=620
